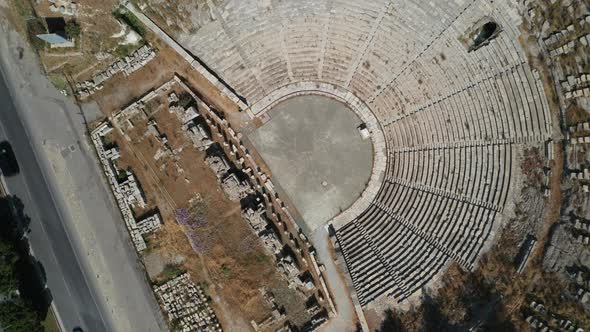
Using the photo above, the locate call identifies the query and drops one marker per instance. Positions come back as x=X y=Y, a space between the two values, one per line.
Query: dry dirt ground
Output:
x=233 y=263
x=168 y=190
x=101 y=41
x=99 y=44
x=117 y=92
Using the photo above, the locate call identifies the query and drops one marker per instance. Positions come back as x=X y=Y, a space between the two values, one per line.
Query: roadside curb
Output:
x=3 y=188
x=57 y=317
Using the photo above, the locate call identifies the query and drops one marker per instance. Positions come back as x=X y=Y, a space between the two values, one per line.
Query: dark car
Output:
x=8 y=163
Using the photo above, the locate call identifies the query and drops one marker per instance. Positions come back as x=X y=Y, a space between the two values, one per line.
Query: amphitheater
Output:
x=448 y=117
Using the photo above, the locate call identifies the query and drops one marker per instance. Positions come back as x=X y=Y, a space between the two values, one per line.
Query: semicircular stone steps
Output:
x=453 y=120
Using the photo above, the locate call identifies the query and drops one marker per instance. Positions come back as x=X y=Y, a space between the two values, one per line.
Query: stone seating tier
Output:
x=447 y=122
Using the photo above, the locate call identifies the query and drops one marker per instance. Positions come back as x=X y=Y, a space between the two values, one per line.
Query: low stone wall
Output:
x=195 y=64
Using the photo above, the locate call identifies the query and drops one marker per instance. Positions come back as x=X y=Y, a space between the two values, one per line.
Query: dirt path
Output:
x=234 y=210
x=346 y=317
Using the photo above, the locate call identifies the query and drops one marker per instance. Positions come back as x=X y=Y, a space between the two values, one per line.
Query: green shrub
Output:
x=8 y=260
x=131 y=20
x=17 y=315
x=122 y=175
x=124 y=50
x=59 y=82
x=35 y=27
x=73 y=29
x=226 y=271
x=23 y=8
x=172 y=271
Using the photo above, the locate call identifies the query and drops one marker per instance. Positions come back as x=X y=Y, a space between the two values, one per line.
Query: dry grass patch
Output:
x=231 y=259
x=575 y=114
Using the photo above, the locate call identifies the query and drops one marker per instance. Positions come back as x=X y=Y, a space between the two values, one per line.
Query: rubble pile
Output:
x=557 y=43
x=198 y=135
x=187 y=305
x=64 y=7
x=235 y=188
x=578 y=152
x=188 y=117
x=184 y=115
x=576 y=87
x=541 y=319
x=256 y=219
x=130 y=189
x=127 y=193
x=277 y=315
x=128 y=65
x=218 y=164
x=579 y=134
x=149 y=224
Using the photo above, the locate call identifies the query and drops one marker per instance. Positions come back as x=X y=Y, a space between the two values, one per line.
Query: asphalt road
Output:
x=48 y=237
x=95 y=275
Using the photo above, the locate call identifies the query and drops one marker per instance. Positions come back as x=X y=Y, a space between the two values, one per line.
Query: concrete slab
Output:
x=316 y=154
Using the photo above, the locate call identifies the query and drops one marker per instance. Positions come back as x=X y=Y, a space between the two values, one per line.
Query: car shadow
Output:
x=31 y=275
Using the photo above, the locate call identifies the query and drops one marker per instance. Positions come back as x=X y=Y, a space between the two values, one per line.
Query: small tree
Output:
x=18 y=315
x=35 y=27
x=73 y=29
x=8 y=260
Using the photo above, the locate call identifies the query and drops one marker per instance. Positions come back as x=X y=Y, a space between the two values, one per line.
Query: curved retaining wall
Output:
x=362 y=111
